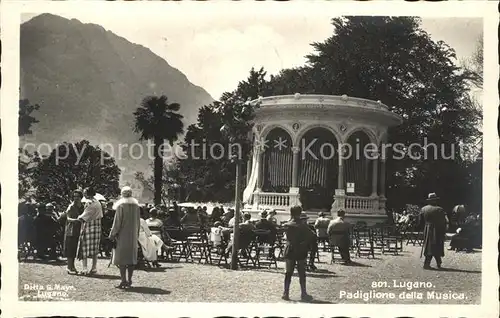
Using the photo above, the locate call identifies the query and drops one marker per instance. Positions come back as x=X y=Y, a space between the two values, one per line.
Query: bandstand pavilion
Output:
x=296 y=156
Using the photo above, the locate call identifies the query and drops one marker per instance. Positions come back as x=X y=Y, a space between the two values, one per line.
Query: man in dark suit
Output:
x=266 y=225
x=434 y=231
x=298 y=240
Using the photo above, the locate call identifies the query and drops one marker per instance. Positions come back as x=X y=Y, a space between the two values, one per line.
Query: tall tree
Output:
x=75 y=165
x=211 y=176
x=172 y=177
x=26 y=120
x=254 y=86
x=394 y=60
x=159 y=120
x=26 y=160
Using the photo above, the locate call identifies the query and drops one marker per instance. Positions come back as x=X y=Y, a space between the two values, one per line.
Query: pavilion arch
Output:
x=304 y=131
x=277 y=160
x=368 y=132
x=267 y=129
x=359 y=165
x=318 y=167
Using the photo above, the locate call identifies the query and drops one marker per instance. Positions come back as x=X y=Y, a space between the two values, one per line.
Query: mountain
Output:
x=88 y=82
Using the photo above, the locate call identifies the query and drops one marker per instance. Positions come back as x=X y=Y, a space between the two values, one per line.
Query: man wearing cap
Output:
x=298 y=239
x=435 y=221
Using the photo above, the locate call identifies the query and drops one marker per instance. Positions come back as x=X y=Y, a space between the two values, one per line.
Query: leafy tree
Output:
x=475 y=63
x=171 y=175
x=73 y=166
x=210 y=178
x=25 y=118
x=254 y=86
x=393 y=60
x=26 y=160
x=158 y=120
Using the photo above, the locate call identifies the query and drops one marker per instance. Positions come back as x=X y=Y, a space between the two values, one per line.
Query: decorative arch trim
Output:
x=371 y=135
x=302 y=132
x=268 y=128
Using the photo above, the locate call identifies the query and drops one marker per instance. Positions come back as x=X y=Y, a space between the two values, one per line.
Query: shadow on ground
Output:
x=148 y=290
x=444 y=269
x=104 y=276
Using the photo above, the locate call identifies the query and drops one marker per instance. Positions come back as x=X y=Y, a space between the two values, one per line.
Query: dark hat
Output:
x=432 y=197
x=263 y=214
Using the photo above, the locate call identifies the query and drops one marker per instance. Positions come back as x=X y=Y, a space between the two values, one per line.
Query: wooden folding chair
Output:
x=264 y=251
x=198 y=244
x=179 y=243
x=364 y=242
x=391 y=239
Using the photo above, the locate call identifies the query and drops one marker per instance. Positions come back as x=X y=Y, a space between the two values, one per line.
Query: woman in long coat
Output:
x=125 y=232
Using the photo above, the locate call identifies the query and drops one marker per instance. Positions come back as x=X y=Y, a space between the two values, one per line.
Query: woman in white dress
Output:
x=150 y=243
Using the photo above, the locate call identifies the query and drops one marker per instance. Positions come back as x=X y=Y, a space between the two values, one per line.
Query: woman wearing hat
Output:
x=90 y=237
x=125 y=232
x=72 y=229
x=434 y=231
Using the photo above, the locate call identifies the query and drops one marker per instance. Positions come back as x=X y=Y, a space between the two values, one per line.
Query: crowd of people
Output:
x=131 y=230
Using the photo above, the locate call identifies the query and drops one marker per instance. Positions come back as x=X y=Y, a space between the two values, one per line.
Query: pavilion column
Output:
x=249 y=168
x=382 y=178
x=295 y=166
x=374 y=177
x=260 y=169
x=340 y=179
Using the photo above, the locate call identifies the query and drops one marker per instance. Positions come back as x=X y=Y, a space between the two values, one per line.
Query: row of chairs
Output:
x=193 y=244
x=367 y=241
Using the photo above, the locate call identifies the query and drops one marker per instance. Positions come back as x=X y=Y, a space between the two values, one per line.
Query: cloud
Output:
x=216 y=51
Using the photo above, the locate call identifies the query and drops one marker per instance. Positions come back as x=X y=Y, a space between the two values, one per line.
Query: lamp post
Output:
x=237 y=214
x=236 y=119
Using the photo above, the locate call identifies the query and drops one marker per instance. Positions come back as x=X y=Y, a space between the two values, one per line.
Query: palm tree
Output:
x=158 y=120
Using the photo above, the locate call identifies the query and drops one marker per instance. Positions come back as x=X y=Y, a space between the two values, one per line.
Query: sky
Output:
x=216 y=52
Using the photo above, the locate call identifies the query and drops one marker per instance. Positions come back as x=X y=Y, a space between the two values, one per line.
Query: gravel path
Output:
x=380 y=280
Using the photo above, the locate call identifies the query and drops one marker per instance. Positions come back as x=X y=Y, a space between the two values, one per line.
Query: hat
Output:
x=432 y=197
x=263 y=214
x=126 y=192
x=49 y=205
x=303 y=216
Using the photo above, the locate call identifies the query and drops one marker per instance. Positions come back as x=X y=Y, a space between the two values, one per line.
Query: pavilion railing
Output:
x=358 y=204
x=275 y=200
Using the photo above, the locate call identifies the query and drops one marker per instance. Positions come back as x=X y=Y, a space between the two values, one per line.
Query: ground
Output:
x=183 y=282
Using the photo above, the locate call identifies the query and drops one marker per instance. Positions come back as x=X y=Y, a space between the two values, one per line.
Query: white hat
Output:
x=126 y=191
